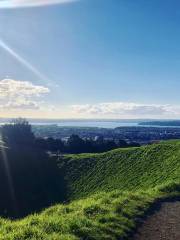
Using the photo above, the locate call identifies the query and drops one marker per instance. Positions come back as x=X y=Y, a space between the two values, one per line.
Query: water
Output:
x=100 y=124
x=81 y=123
x=88 y=123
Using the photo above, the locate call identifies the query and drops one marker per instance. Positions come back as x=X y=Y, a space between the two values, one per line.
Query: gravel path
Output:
x=162 y=225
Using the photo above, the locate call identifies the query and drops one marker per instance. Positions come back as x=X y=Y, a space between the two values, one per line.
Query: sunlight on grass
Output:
x=102 y=216
x=111 y=207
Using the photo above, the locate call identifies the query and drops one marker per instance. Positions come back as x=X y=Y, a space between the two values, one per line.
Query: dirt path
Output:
x=162 y=225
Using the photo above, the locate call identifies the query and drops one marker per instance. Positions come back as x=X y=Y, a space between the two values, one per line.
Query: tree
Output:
x=75 y=144
x=17 y=132
x=122 y=143
x=50 y=144
x=29 y=178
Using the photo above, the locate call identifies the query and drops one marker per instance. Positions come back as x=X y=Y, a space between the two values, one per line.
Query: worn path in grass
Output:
x=164 y=224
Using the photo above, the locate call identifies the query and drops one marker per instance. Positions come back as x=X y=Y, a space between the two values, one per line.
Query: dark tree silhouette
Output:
x=29 y=178
x=17 y=132
x=75 y=144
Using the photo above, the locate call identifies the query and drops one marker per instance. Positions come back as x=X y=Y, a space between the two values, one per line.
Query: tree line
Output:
x=20 y=132
x=76 y=144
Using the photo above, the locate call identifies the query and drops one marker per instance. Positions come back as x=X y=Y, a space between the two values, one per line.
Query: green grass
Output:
x=123 y=169
x=109 y=194
x=102 y=216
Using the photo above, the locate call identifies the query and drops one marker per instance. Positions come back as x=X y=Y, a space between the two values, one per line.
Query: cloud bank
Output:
x=22 y=95
x=30 y=3
x=127 y=110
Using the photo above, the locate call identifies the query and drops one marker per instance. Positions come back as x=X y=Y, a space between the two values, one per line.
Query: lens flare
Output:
x=8 y=175
x=30 y=3
x=25 y=63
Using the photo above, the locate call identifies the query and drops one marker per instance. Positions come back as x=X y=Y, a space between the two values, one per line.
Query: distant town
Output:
x=139 y=134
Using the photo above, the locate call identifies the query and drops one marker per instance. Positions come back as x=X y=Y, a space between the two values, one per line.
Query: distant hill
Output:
x=165 y=123
x=109 y=194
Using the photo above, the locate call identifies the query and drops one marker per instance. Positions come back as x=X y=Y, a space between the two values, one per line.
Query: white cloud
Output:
x=127 y=110
x=20 y=94
x=30 y=3
x=10 y=87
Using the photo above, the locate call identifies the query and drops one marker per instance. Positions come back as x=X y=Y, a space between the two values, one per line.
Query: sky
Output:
x=90 y=59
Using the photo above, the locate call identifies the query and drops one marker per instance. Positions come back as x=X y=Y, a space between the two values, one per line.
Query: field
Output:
x=108 y=194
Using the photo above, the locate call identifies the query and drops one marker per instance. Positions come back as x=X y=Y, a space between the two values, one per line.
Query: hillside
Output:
x=109 y=193
x=128 y=169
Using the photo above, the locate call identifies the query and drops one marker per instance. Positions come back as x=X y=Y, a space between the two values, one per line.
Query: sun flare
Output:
x=30 y=3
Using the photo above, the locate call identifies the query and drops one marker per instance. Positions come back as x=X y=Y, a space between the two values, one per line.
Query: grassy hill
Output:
x=109 y=193
x=123 y=169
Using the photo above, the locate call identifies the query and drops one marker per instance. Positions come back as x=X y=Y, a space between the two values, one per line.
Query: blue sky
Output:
x=91 y=58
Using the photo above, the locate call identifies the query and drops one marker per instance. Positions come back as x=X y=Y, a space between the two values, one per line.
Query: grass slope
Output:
x=123 y=185
x=123 y=169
